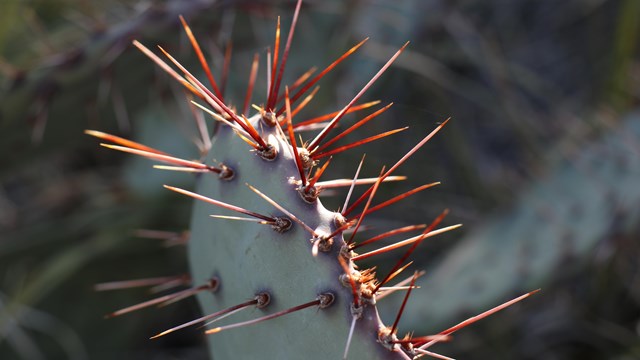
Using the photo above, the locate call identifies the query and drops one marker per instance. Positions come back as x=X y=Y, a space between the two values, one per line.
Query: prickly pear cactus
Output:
x=272 y=267
x=251 y=258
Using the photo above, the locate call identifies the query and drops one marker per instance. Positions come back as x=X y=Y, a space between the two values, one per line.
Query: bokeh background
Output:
x=541 y=162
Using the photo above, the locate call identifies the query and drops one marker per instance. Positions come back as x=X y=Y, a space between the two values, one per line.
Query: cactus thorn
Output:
x=320 y=119
x=388 y=234
x=165 y=158
x=364 y=212
x=252 y=81
x=279 y=207
x=394 y=327
x=292 y=139
x=211 y=285
x=200 y=55
x=322 y=301
x=395 y=198
x=261 y=300
x=273 y=93
x=317 y=78
x=221 y=204
x=316 y=141
x=183 y=279
x=380 y=296
x=398 y=163
x=318 y=156
x=124 y=142
x=355 y=126
x=413 y=240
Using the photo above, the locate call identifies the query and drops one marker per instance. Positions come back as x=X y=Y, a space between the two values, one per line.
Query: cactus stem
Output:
x=340 y=149
x=260 y=300
x=322 y=301
x=200 y=55
x=354 y=127
x=211 y=285
x=396 y=199
x=398 y=163
x=388 y=234
x=316 y=141
x=317 y=78
x=183 y=279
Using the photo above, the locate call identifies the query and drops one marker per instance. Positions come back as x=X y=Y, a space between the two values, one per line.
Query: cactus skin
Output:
x=249 y=258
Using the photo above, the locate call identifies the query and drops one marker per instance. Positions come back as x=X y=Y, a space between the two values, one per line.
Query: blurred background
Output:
x=541 y=163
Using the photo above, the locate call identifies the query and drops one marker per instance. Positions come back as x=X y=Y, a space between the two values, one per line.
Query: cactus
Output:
x=288 y=262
